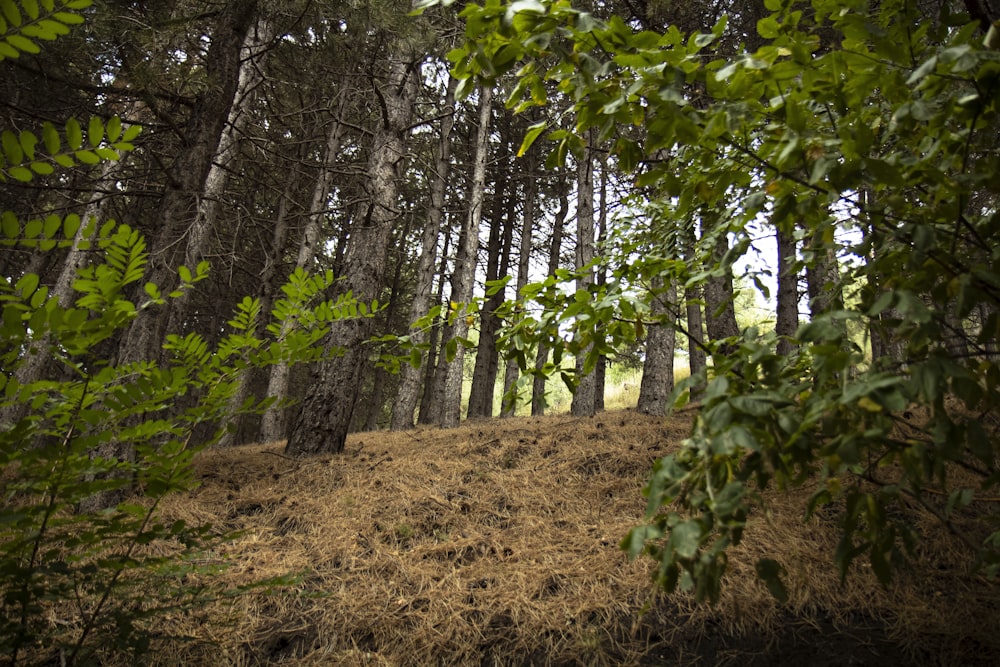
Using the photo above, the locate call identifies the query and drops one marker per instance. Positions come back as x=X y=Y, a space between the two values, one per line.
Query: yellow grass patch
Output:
x=497 y=544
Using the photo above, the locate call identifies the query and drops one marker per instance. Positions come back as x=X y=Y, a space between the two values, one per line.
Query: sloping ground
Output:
x=497 y=544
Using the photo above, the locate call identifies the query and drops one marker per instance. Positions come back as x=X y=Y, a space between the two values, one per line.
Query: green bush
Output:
x=89 y=448
x=75 y=580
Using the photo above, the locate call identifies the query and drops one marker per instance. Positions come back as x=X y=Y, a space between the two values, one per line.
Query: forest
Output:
x=235 y=222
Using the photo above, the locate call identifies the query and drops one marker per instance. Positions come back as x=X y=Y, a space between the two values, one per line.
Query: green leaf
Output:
x=768 y=27
x=685 y=538
x=42 y=168
x=11 y=13
x=95 y=131
x=11 y=147
x=51 y=226
x=87 y=157
x=114 y=128
x=30 y=8
x=27 y=284
x=9 y=225
x=925 y=68
x=74 y=135
x=68 y=18
x=50 y=137
x=770 y=571
x=71 y=225
x=529 y=137
x=33 y=229
x=22 y=174
x=131 y=132
x=22 y=43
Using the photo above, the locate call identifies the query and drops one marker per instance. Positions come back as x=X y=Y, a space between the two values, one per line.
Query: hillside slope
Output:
x=497 y=544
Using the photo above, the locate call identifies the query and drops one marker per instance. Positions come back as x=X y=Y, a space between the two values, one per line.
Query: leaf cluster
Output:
x=80 y=577
x=850 y=120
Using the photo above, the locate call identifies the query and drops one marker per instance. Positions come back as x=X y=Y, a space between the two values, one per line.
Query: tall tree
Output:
x=511 y=371
x=852 y=94
x=178 y=207
x=430 y=400
x=409 y=388
x=498 y=249
x=584 y=396
x=787 y=322
x=555 y=256
x=658 y=366
x=325 y=417
x=694 y=316
x=720 y=312
x=273 y=425
x=466 y=263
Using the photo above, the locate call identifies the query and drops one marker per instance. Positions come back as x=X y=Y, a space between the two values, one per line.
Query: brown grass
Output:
x=497 y=544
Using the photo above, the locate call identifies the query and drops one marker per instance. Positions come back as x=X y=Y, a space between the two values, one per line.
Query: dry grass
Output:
x=497 y=543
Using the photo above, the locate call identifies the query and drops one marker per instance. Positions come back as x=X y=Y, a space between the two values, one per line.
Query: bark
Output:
x=600 y=371
x=886 y=348
x=430 y=400
x=787 y=320
x=409 y=388
x=484 y=375
x=328 y=407
x=822 y=278
x=697 y=360
x=661 y=340
x=511 y=371
x=466 y=263
x=186 y=182
x=720 y=312
x=274 y=422
x=555 y=251
x=252 y=57
x=584 y=396
x=383 y=378
x=239 y=432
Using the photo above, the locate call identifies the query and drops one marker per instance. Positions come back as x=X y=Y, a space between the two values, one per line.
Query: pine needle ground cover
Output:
x=497 y=544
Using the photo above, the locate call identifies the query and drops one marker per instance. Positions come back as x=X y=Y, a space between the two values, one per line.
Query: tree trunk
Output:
x=252 y=56
x=822 y=277
x=886 y=348
x=466 y=263
x=555 y=252
x=383 y=378
x=697 y=359
x=511 y=371
x=601 y=369
x=720 y=312
x=787 y=316
x=484 y=375
x=328 y=407
x=661 y=340
x=583 y=397
x=238 y=433
x=179 y=205
x=274 y=422
x=430 y=402
x=409 y=387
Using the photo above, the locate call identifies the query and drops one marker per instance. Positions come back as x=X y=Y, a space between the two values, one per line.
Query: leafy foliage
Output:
x=870 y=131
x=21 y=160
x=25 y=23
x=77 y=581
x=99 y=572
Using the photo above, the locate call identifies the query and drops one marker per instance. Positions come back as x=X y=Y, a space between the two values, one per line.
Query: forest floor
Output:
x=497 y=544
